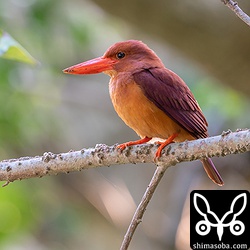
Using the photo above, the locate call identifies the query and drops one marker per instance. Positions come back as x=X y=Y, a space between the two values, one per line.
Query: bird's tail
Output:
x=212 y=172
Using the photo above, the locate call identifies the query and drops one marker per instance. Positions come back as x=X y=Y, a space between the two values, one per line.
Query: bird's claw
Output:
x=158 y=152
x=162 y=145
x=122 y=146
x=131 y=143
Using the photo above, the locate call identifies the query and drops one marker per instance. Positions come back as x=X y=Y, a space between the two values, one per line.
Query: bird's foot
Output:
x=163 y=145
x=131 y=143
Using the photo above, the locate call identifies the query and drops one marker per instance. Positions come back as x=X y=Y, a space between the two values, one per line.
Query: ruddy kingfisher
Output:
x=149 y=98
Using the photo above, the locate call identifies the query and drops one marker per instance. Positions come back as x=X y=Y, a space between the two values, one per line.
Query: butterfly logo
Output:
x=210 y=219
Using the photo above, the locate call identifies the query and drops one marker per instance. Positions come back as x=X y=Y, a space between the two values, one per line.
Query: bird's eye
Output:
x=120 y=55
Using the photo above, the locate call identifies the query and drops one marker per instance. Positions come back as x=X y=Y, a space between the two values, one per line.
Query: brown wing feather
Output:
x=170 y=94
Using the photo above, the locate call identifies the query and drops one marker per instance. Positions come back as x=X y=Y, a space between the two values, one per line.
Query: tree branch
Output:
x=237 y=10
x=102 y=155
x=140 y=210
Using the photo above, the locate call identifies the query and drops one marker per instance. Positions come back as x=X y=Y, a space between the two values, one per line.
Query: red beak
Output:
x=93 y=66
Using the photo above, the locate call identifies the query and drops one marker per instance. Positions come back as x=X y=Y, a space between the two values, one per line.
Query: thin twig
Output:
x=140 y=210
x=237 y=10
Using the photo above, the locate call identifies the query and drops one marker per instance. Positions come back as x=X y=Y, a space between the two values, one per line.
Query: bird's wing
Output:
x=170 y=94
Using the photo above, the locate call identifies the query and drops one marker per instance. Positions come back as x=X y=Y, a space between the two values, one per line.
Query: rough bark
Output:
x=103 y=155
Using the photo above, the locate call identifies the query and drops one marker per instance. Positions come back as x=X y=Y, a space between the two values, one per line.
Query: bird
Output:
x=150 y=98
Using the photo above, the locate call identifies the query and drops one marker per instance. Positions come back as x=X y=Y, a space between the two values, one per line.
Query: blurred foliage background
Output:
x=41 y=109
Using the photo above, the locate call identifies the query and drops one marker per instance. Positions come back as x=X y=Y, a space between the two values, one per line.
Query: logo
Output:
x=219 y=219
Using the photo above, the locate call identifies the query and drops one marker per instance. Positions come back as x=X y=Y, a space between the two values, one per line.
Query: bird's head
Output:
x=127 y=56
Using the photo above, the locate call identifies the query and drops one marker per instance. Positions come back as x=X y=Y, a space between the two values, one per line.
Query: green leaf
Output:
x=11 y=49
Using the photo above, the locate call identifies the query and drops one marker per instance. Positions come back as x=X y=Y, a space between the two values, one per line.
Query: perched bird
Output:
x=149 y=98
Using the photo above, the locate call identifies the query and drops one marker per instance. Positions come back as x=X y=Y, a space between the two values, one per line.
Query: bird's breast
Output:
x=139 y=113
